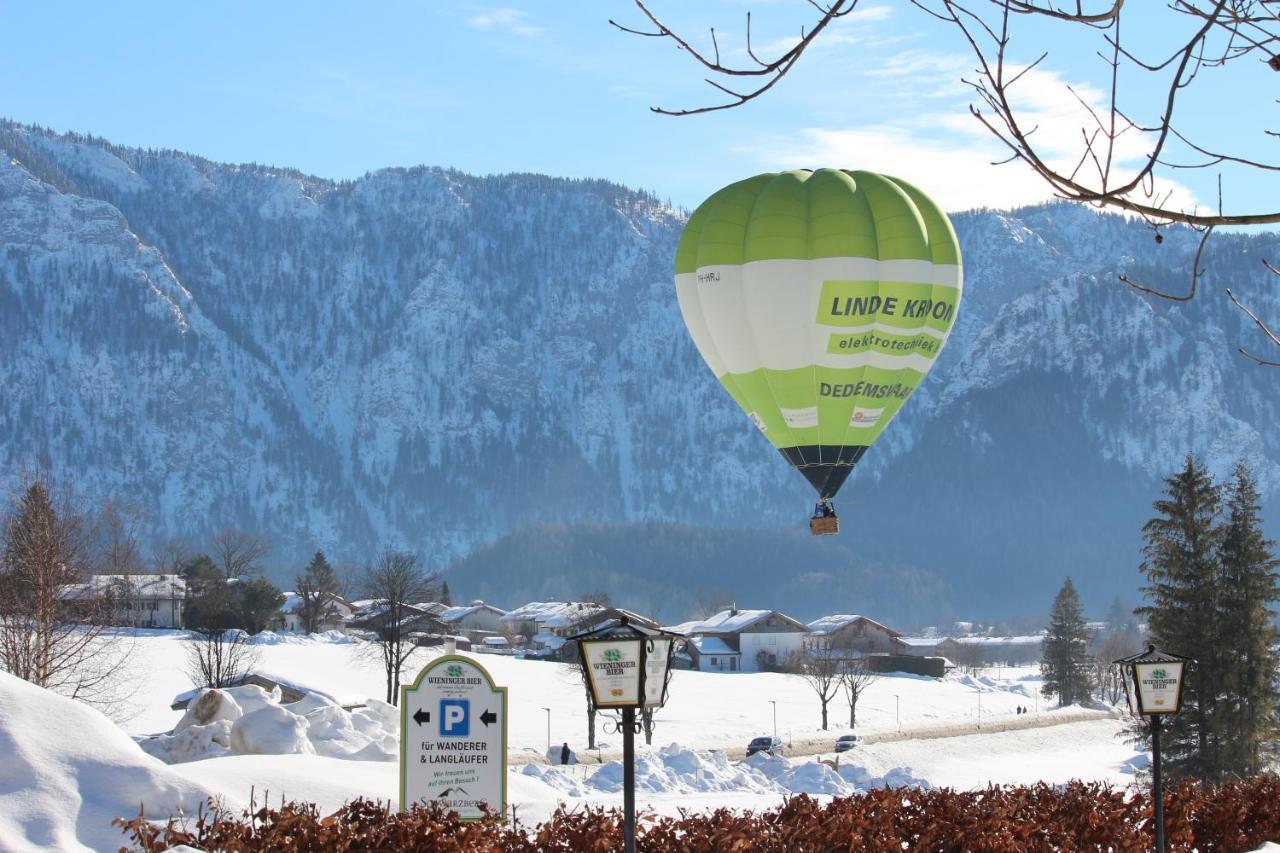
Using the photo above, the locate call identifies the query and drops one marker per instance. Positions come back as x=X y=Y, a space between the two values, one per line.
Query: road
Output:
x=814 y=745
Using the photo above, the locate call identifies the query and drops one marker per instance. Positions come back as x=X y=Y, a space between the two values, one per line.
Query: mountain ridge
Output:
x=427 y=359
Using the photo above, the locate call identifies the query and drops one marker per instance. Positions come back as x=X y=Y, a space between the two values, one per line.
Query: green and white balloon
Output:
x=820 y=300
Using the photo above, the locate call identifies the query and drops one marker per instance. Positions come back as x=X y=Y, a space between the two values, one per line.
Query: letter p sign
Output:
x=455 y=717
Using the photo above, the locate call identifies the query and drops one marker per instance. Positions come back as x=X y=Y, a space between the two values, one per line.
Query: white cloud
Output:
x=514 y=21
x=950 y=155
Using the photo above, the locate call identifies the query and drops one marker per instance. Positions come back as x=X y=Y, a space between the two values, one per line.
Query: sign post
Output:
x=453 y=739
x=1153 y=687
x=628 y=668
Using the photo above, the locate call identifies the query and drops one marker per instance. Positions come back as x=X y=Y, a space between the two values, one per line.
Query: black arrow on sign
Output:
x=420 y=716
x=488 y=717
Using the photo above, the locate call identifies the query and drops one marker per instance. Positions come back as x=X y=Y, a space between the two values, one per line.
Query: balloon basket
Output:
x=826 y=525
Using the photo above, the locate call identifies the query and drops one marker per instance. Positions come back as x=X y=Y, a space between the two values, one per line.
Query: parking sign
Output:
x=453 y=738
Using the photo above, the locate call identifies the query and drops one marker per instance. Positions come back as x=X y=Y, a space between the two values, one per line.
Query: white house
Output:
x=852 y=633
x=333 y=614
x=761 y=639
x=142 y=601
x=476 y=617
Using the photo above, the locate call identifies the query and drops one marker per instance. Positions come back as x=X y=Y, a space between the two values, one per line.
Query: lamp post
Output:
x=774 y=703
x=548 y=710
x=627 y=668
x=897 y=712
x=1153 y=687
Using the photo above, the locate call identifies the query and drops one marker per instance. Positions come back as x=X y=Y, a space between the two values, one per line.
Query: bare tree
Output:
x=709 y=601
x=820 y=670
x=51 y=619
x=218 y=658
x=855 y=677
x=169 y=556
x=1128 y=145
x=1113 y=646
x=237 y=552
x=574 y=675
x=119 y=537
x=395 y=581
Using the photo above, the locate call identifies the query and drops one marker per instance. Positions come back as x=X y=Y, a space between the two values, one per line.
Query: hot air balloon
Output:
x=820 y=300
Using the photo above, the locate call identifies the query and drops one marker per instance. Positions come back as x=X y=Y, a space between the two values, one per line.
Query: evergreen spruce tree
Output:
x=317 y=584
x=1245 y=724
x=1182 y=593
x=1065 y=664
x=446 y=597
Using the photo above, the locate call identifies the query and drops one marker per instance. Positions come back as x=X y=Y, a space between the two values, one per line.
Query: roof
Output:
x=711 y=646
x=453 y=614
x=140 y=586
x=553 y=614
x=929 y=642
x=831 y=624
x=732 y=621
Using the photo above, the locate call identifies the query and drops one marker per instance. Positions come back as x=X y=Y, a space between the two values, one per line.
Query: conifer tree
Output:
x=316 y=586
x=1245 y=725
x=1065 y=664
x=1182 y=593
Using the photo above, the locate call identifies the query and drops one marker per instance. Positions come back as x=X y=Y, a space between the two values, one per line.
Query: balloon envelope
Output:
x=820 y=300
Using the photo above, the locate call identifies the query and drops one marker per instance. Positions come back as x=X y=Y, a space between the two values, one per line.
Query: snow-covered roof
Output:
x=921 y=642
x=831 y=624
x=292 y=602
x=731 y=621
x=553 y=614
x=1028 y=639
x=549 y=641
x=435 y=608
x=139 y=586
x=683 y=627
x=453 y=614
x=930 y=642
x=711 y=646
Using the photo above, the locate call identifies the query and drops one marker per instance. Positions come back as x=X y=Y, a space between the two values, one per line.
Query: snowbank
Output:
x=248 y=720
x=68 y=771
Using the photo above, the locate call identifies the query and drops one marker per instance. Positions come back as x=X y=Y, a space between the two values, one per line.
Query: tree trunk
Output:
x=824 y=716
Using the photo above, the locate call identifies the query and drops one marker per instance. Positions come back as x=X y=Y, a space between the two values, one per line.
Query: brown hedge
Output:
x=1237 y=816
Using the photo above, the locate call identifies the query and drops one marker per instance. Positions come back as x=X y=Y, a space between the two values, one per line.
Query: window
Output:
x=773 y=639
x=733 y=664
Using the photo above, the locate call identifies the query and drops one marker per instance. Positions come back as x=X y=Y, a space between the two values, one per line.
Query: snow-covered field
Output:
x=919 y=731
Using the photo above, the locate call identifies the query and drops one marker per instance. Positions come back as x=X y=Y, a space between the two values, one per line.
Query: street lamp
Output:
x=548 y=710
x=774 y=703
x=627 y=668
x=1153 y=688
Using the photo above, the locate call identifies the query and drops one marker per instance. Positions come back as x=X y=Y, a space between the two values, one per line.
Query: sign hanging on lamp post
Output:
x=1153 y=687
x=628 y=668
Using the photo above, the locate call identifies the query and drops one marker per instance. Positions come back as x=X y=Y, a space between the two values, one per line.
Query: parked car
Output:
x=765 y=744
x=844 y=743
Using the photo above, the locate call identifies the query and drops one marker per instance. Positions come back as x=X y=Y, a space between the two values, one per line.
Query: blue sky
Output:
x=338 y=89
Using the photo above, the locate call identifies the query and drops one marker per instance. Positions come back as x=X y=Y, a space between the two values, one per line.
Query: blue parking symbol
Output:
x=455 y=717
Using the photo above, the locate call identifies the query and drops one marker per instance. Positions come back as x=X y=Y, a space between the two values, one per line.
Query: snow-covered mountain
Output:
x=430 y=359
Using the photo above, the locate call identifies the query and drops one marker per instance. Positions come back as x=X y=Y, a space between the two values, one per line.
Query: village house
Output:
x=851 y=633
x=334 y=612
x=476 y=620
x=414 y=619
x=743 y=640
x=543 y=627
x=138 y=601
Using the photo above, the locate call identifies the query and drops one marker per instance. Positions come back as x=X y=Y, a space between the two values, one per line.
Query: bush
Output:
x=1236 y=816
